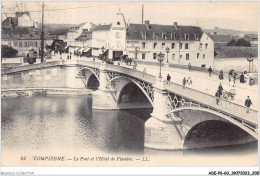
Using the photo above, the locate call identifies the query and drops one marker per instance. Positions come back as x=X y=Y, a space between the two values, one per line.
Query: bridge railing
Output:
x=224 y=106
x=133 y=73
x=89 y=63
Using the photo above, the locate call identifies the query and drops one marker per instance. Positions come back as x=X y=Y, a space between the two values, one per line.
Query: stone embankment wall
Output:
x=58 y=76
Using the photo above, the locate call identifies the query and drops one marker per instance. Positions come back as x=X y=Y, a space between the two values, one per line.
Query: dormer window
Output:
x=186 y=36
x=173 y=36
x=164 y=36
x=118 y=23
x=196 y=37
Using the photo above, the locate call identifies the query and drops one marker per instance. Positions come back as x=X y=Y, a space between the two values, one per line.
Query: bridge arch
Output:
x=148 y=93
x=90 y=69
x=192 y=123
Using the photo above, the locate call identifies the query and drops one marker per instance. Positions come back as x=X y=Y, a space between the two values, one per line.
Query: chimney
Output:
x=175 y=24
x=147 y=24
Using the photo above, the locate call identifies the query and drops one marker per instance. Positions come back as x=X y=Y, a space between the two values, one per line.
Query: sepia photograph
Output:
x=129 y=83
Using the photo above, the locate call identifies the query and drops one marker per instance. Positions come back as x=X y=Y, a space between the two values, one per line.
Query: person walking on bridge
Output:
x=189 y=65
x=210 y=71
x=248 y=103
x=220 y=89
x=168 y=79
x=218 y=97
x=184 y=82
x=189 y=81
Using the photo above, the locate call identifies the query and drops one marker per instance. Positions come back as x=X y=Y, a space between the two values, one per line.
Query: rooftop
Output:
x=167 y=32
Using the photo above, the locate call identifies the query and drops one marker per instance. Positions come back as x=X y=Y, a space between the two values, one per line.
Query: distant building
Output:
x=24 y=39
x=21 y=19
x=252 y=38
x=76 y=31
x=222 y=39
x=187 y=44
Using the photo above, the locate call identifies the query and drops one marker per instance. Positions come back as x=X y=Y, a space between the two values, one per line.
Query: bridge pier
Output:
x=104 y=98
x=161 y=132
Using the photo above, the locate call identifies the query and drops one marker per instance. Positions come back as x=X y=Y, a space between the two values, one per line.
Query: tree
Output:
x=232 y=43
x=239 y=42
x=243 y=42
x=8 y=51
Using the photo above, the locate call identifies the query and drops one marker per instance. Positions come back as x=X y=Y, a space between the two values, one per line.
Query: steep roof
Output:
x=104 y=27
x=85 y=35
x=156 y=31
x=24 y=33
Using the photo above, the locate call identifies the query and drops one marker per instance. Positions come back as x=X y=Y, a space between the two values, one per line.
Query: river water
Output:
x=69 y=127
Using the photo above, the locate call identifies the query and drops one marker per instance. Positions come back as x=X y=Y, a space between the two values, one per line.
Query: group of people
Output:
x=187 y=81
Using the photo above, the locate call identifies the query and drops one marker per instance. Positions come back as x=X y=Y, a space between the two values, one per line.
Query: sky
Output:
x=229 y=15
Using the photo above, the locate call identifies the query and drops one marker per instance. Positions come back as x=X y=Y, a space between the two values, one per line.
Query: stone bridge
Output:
x=177 y=111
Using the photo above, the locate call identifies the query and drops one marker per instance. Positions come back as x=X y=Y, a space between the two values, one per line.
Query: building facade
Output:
x=24 y=39
x=177 y=44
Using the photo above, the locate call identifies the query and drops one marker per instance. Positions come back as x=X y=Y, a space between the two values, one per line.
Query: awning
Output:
x=86 y=50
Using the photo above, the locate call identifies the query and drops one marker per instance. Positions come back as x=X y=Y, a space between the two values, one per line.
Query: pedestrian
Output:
x=70 y=57
x=221 y=75
x=189 y=65
x=234 y=78
x=218 y=97
x=248 y=103
x=189 y=81
x=144 y=72
x=184 y=82
x=242 y=78
x=220 y=89
x=168 y=79
x=229 y=76
x=210 y=71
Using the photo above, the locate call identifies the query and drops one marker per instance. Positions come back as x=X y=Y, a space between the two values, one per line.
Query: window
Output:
x=173 y=56
x=180 y=56
x=15 y=43
x=173 y=36
x=154 y=45
x=163 y=45
x=163 y=36
x=186 y=36
x=30 y=44
x=143 y=44
x=198 y=55
x=186 y=46
x=20 y=44
x=143 y=56
x=25 y=44
x=187 y=56
x=203 y=56
x=200 y=45
x=118 y=35
x=173 y=45
x=206 y=46
x=180 y=45
x=35 y=44
x=154 y=55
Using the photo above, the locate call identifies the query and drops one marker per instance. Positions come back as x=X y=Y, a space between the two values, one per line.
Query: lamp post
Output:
x=167 y=51
x=102 y=49
x=160 y=59
x=136 y=52
x=250 y=59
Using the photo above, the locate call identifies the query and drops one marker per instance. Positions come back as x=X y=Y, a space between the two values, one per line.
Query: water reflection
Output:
x=69 y=124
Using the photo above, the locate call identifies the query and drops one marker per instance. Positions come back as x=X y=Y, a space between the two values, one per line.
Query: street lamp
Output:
x=167 y=51
x=250 y=59
x=160 y=59
x=102 y=49
x=136 y=52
